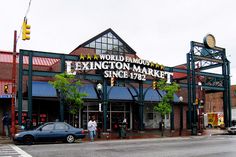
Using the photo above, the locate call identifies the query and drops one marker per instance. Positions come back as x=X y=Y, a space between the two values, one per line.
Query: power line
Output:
x=27 y=11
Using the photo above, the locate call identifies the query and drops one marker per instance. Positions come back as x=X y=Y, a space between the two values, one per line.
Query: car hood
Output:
x=26 y=132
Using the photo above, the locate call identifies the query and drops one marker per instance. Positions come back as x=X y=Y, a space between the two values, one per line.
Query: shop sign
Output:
x=6 y=96
x=119 y=67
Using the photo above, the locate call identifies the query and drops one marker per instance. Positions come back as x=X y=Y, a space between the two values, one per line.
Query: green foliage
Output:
x=67 y=86
x=164 y=107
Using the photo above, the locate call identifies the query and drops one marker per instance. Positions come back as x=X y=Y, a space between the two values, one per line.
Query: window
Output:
x=108 y=43
x=61 y=126
x=104 y=40
x=104 y=46
x=98 y=51
x=115 y=41
x=109 y=47
x=98 y=45
x=149 y=116
x=92 y=44
x=47 y=127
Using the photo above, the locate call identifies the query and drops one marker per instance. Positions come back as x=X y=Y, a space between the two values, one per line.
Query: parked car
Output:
x=232 y=130
x=49 y=132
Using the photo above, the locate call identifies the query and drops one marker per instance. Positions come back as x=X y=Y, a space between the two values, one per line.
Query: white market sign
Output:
x=119 y=67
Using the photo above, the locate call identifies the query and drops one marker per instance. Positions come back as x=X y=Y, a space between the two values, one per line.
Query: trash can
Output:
x=194 y=129
x=161 y=125
x=99 y=129
x=122 y=130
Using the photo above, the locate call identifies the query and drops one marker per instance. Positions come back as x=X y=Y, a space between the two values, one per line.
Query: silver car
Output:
x=232 y=130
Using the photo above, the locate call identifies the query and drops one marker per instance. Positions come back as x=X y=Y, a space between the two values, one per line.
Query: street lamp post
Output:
x=200 y=101
x=181 y=116
x=100 y=92
x=196 y=115
x=99 y=88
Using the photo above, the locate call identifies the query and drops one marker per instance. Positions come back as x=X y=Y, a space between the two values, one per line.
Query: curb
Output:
x=4 y=140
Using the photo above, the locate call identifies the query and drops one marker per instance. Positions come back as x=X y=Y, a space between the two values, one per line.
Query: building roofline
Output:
x=100 y=35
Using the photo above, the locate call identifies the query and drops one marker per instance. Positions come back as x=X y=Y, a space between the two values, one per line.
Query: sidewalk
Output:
x=140 y=135
x=157 y=134
x=5 y=140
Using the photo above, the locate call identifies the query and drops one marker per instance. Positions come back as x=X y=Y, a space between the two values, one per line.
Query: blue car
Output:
x=49 y=132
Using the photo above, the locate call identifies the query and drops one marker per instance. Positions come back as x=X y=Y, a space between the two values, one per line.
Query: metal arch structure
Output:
x=199 y=60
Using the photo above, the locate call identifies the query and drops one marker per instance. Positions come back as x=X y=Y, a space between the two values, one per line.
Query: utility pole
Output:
x=13 y=86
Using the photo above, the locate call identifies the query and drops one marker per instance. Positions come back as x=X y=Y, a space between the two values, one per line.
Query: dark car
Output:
x=49 y=132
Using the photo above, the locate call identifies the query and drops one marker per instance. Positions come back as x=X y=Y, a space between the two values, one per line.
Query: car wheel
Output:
x=28 y=139
x=70 y=139
x=209 y=126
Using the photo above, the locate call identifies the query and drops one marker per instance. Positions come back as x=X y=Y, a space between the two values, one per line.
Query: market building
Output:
x=119 y=85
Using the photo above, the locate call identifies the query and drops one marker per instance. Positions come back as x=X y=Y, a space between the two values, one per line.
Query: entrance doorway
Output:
x=116 y=112
x=119 y=111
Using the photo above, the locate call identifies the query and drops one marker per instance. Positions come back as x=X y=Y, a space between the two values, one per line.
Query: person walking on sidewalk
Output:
x=28 y=124
x=6 y=122
x=92 y=127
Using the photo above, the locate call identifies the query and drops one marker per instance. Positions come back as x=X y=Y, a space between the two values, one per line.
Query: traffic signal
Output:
x=25 y=30
x=154 y=84
x=5 y=88
x=112 y=81
x=196 y=101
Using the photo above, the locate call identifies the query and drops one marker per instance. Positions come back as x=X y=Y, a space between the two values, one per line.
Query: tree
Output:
x=164 y=106
x=67 y=87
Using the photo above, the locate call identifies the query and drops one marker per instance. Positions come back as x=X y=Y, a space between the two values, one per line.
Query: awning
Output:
x=119 y=93
x=90 y=90
x=44 y=89
x=152 y=95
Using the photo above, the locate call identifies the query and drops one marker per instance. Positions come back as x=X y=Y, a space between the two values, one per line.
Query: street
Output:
x=204 y=146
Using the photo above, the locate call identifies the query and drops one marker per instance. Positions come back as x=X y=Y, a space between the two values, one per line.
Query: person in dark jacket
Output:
x=6 y=123
x=28 y=124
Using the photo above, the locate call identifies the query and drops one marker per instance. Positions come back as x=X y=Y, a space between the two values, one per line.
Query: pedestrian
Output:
x=92 y=127
x=6 y=122
x=125 y=120
x=28 y=124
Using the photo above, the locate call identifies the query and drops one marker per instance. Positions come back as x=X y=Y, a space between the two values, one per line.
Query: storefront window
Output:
x=151 y=118
x=115 y=113
x=117 y=107
x=93 y=108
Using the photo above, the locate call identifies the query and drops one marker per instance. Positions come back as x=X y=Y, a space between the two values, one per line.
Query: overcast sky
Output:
x=158 y=30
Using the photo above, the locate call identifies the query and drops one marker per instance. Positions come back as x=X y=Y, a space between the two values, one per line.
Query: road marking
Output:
x=20 y=151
